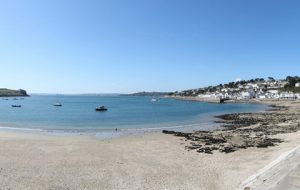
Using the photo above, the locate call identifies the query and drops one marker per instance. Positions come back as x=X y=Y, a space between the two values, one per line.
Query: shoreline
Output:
x=95 y=132
x=216 y=100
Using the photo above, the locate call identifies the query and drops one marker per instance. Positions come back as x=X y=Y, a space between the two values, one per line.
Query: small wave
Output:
x=169 y=127
x=21 y=129
x=107 y=130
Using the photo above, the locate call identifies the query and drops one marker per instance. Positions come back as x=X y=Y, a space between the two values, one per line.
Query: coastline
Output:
x=217 y=100
x=197 y=99
x=146 y=161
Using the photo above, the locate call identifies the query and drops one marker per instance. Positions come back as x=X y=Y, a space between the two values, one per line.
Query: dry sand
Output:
x=151 y=161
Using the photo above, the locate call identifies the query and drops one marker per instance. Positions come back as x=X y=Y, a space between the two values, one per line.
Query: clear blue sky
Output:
x=71 y=46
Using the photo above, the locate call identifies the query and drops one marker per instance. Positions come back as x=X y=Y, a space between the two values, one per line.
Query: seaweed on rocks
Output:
x=243 y=130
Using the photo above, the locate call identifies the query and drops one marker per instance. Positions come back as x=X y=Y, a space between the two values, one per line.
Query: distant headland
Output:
x=4 y=92
x=149 y=94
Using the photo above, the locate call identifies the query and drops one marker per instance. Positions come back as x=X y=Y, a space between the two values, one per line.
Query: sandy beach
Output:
x=154 y=161
x=149 y=161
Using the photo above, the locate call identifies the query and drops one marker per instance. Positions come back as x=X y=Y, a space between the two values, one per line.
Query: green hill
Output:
x=8 y=93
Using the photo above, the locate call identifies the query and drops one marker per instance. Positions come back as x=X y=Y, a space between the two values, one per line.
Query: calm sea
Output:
x=124 y=112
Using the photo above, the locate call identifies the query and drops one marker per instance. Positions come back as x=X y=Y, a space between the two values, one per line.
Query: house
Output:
x=245 y=95
x=224 y=89
x=287 y=95
x=273 y=91
x=248 y=94
x=262 y=96
x=274 y=94
x=240 y=86
x=297 y=84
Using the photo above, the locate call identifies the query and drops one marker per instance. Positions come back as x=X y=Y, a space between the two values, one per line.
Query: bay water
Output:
x=125 y=113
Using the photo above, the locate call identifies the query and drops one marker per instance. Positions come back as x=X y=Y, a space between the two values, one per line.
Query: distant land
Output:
x=81 y=94
x=149 y=94
x=4 y=92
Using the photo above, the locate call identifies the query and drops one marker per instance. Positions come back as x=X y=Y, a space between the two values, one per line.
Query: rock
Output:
x=242 y=130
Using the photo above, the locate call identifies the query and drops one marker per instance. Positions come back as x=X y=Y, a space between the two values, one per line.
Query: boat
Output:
x=57 y=104
x=15 y=99
x=16 y=106
x=153 y=100
x=101 y=108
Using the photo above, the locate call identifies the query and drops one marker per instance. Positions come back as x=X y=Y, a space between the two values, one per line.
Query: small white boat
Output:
x=153 y=100
x=57 y=104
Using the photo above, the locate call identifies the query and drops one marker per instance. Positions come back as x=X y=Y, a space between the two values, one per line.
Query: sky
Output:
x=124 y=46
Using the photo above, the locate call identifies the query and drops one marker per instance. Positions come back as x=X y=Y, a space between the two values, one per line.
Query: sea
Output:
x=125 y=114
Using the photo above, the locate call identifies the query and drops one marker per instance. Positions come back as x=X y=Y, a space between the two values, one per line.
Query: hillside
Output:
x=259 y=87
x=9 y=93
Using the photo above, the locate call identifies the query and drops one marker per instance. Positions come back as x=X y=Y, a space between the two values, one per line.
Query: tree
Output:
x=271 y=79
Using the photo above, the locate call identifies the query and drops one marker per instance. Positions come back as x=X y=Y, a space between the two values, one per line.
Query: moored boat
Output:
x=101 y=108
x=153 y=100
x=57 y=104
x=16 y=106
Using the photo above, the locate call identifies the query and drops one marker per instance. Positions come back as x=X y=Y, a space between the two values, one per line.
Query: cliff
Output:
x=10 y=93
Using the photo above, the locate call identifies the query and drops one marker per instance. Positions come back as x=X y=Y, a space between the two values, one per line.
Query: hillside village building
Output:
x=260 y=89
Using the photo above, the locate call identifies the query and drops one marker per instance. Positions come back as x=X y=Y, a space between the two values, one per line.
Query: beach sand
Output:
x=150 y=161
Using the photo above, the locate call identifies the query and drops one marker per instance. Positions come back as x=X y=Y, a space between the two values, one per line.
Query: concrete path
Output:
x=282 y=174
x=291 y=181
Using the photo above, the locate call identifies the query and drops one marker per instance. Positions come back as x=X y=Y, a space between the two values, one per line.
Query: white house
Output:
x=248 y=94
x=297 y=84
x=273 y=93
x=245 y=95
x=262 y=96
x=224 y=89
x=240 y=86
x=255 y=86
x=287 y=95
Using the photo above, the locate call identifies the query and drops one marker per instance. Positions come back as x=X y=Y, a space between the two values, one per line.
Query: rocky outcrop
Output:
x=243 y=130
